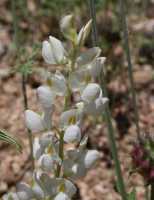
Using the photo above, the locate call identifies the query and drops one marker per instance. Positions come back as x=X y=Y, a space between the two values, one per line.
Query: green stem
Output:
x=61 y=152
x=108 y=116
x=152 y=191
x=130 y=67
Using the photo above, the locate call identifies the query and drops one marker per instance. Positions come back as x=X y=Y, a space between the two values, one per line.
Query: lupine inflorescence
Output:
x=60 y=151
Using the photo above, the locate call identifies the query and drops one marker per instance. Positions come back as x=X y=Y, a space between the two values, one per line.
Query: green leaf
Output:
x=132 y=195
x=7 y=138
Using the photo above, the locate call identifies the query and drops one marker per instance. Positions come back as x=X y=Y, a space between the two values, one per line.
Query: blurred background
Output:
x=24 y=24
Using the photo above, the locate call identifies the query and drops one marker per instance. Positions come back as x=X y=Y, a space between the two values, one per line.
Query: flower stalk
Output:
x=107 y=112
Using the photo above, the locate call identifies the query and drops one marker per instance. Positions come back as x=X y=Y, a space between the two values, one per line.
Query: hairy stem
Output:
x=24 y=78
x=130 y=67
x=108 y=115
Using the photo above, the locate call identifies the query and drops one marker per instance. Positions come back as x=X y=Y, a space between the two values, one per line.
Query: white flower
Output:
x=69 y=188
x=88 y=56
x=46 y=162
x=78 y=161
x=38 y=123
x=38 y=192
x=66 y=23
x=41 y=144
x=96 y=67
x=62 y=196
x=10 y=196
x=34 y=121
x=72 y=134
x=58 y=83
x=91 y=158
x=53 y=51
x=52 y=186
x=24 y=192
x=96 y=107
x=68 y=118
x=79 y=79
x=45 y=96
x=49 y=162
x=91 y=92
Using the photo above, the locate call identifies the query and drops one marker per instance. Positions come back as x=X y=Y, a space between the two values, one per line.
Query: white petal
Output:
x=70 y=188
x=46 y=162
x=96 y=107
x=97 y=66
x=37 y=149
x=50 y=185
x=68 y=117
x=34 y=121
x=91 y=92
x=58 y=83
x=45 y=96
x=66 y=23
x=47 y=53
x=24 y=192
x=62 y=196
x=38 y=192
x=79 y=79
x=88 y=56
x=72 y=134
x=46 y=139
x=47 y=118
x=90 y=158
x=57 y=48
x=10 y=196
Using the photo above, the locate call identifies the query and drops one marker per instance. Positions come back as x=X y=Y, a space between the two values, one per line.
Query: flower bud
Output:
x=84 y=32
x=72 y=134
x=90 y=158
x=34 y=121
x=66 y=23
x=53 y=51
